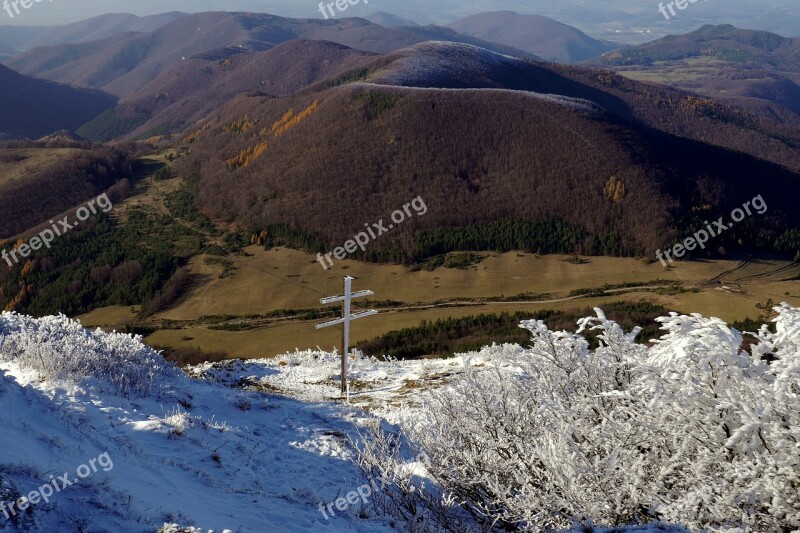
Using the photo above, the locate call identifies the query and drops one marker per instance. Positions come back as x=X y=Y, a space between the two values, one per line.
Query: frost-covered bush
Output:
x=692 y=431
x=60 y=349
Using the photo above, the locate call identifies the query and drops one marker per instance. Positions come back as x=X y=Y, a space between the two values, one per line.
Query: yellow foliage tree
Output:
x=288 y=123
x=240 y=126
x=615 y=190
x=246 y=156
x=193 y=137
x=283 y=120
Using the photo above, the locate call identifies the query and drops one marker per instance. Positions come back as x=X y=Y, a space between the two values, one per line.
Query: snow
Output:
x=246 y=446
x=277 y=458
x=447 y=66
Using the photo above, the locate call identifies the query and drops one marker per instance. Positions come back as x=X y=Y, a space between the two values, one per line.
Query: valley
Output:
x=260 y=303
x=223 y=315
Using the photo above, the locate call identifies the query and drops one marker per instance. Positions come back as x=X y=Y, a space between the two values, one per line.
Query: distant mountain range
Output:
x=187 y=66
x=756 y=70
x=627 y=21
x=535 y=34
x=387 y=19
x=189 y=90
x=32 y=107
x=17 y=39
x=126 y=62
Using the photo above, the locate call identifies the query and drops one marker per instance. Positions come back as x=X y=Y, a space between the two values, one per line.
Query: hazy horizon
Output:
x=605 y=17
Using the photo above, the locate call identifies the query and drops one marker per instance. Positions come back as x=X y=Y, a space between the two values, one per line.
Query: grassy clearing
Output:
x=289 y=335
x=286 y=279
x=675 y=72
x=109 y=316
x=256 y=296
x=30 y=161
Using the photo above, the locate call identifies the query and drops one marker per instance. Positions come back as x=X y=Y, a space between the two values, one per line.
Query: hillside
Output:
x=189 y=90
x=32 y=107
x=481 y=144
x=103 y=27
x=92 y=419
x=755 y=70
x=536 y=34
x=17 y=39
x=41 y=180
x=660 y=108
x=175 y=450
x=387 y=19
x=126 y=62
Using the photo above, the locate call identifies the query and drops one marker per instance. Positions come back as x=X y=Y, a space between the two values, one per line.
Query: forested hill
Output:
x=577 y=166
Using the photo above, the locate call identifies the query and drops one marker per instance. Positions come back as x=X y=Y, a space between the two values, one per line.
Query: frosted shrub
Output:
x=59 y=348
x=693 y=430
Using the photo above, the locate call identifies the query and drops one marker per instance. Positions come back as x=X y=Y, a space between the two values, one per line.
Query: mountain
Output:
x=39 y=180
x=383 y=18
x=756 y=70
x=103 y=27
x=265 y=444
x=188 y=90
x=538 y=159
x=17 y=39
x=33 y=107
x=126 y=62
x=536 y=34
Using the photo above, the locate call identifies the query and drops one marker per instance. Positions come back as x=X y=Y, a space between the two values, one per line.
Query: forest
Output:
x=627 y=191
x=39 y=180
x=446 y=337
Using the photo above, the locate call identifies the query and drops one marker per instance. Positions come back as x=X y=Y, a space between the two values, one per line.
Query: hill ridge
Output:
x=537 y=34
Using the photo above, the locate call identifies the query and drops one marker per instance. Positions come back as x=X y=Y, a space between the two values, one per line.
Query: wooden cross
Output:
x=346 y=318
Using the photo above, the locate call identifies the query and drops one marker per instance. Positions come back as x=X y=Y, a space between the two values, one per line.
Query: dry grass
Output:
x=265 y=281
x=288 y=279
x=35 y=159
x=109 y=316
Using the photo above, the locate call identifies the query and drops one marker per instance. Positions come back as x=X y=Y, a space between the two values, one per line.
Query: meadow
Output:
x=237 y=308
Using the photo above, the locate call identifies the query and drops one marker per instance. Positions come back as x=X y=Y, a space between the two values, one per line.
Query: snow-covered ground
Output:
x=202 y=454
x=245 y=446
x=390 y=390
x=256 y=446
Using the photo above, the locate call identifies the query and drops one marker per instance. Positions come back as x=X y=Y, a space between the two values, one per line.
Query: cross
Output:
x=346 y=319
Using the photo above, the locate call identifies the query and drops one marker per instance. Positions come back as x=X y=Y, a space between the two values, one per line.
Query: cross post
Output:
x=347 y=317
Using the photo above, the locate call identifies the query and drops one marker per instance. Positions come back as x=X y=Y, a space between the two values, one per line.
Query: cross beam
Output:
x=347 y=317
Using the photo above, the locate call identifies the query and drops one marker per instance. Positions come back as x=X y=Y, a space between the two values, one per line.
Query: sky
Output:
x=782 y=16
